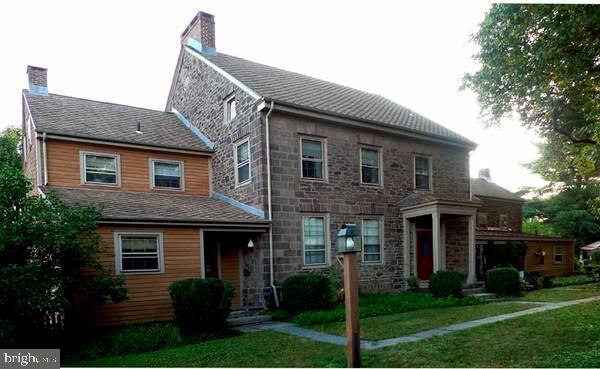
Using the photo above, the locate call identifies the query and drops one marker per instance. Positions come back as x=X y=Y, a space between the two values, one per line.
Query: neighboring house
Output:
x=151 y=173
x=499 y=220
x=314 y=155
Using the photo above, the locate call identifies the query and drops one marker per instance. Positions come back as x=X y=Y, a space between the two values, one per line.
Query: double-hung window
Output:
x=100 y=168
x=422 y=173
x=313 y=158
x=314 y=236
x=167 y=174
x=370 y=166
x=371 y=240
x=230 y=108
x=559 y=254
x=139 y=252
x=242 y=162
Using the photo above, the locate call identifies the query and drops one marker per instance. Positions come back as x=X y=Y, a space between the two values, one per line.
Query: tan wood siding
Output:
x=549 y=267
x=148 y=294
x=64 y=167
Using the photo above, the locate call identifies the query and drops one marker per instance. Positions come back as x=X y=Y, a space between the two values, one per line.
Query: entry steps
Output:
x=244 y=317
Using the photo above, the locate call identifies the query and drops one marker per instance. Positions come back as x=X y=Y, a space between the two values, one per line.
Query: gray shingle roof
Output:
x=71 y=116
x=307 y=92
x=483 y=188
x=156 y=207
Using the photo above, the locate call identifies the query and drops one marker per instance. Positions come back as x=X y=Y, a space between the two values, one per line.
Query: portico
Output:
x=438 y=235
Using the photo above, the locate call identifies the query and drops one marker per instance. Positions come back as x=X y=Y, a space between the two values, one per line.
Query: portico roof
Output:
x=422 y=199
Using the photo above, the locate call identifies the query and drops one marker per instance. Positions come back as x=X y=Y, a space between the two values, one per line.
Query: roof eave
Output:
x=286 y=107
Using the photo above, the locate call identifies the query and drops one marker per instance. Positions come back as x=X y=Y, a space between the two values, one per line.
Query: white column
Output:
x=471 y=278
x=406 y=234
x=435 y=227
x=442 y=245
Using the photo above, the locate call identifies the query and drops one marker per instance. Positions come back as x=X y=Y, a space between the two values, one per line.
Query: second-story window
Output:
x=242 y=162
x=422 y=173
x=504 y=220
x=313 y=161
x=369 y=166
x=100 y=168
x=167 y=174
x=230 y=109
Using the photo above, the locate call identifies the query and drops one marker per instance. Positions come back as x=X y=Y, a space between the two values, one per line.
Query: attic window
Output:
x=230 y=109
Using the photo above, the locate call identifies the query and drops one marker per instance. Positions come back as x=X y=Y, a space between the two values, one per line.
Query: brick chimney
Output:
x=38 y=80
x=200 y=34
x=484 y=174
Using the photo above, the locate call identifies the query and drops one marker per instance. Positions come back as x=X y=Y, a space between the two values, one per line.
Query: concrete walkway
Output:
x=292 y=329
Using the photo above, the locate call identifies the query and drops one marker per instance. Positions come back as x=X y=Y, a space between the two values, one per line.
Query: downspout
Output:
x=45 y=159
x=270 y=213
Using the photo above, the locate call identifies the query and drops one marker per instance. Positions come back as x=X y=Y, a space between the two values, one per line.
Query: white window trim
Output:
x=430 y=161
x=181 y=173
x=226 y=114
x=380 y=164
x=562 y=254
x=82 y=167
x=327 y=241
x=380 y=219
x=237 y=164
x=118 y=259
x=323 y=159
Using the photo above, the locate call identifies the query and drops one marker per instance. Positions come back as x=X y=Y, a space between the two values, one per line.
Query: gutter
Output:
x=45 y=158
x=269 y=211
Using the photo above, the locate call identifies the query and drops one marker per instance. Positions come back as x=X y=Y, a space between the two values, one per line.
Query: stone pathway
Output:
x=292 y=329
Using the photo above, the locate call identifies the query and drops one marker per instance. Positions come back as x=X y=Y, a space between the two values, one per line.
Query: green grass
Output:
x=572 y=280
x=261 y=349
x=563 y=293
x=396 y=325
x=566 y=337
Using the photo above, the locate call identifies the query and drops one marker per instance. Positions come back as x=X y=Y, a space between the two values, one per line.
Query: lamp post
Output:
x=349 y=244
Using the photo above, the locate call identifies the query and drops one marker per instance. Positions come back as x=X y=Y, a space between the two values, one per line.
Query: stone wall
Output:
x=457 y=243
x=495 y=207
x=344 y=199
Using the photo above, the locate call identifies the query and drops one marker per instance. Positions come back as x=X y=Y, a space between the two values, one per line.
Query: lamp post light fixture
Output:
x=349 y=244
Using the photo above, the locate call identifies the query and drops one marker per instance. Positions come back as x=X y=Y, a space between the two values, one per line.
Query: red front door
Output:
x=424 y=254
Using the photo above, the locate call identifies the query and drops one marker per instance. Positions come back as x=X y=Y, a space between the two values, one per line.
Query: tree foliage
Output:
x=48 y=257
x=9 y=148
x=543 y=62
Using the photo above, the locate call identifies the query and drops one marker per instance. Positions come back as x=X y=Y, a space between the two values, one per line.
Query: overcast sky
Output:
x=414 y=53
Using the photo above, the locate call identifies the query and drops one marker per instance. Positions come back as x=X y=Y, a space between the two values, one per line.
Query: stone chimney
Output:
x=38 y=80
x=484 y=174
x=200 y=34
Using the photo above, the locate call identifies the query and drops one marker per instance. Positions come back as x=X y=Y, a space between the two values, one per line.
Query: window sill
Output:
x=376 y=186
x=315 y=266
x=168 y=189
x=115 y=185
x=140 y=273
x=238 y=185
x=313 y=180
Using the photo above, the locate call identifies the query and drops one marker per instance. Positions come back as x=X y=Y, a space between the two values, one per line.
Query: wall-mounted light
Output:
x=250 y=243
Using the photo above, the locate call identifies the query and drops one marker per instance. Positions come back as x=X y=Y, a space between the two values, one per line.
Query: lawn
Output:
x=566 y=337
x=563 y=293
x=395 y=325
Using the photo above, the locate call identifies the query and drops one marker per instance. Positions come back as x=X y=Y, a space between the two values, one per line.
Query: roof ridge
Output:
x=105 y=102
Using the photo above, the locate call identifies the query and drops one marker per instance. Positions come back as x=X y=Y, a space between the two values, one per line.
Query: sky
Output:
x=414 y=53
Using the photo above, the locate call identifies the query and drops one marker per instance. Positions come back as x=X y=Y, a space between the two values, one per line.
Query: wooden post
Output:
x=352 y=318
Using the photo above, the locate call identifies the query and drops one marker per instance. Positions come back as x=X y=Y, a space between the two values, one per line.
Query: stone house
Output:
x=313 y=155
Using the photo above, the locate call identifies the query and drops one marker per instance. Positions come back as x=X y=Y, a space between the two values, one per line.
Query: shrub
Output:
x=201 y=305
x=572 y=280
x=503 y=281
x=305 y=292
x=533 y=280
x=143 y=338
x=444 y=283
x=413 y=281
x=595 y=257
x=548 y=282
x=378 y=304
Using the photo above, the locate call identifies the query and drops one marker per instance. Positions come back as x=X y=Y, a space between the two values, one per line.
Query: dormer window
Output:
x=230 y=109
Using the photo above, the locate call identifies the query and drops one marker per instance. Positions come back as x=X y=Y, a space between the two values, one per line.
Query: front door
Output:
x=424 y=254
x=222 y=260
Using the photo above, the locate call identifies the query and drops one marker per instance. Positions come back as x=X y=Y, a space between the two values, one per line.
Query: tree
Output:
x=543 y=62
x=48 y=260
x=9 y=148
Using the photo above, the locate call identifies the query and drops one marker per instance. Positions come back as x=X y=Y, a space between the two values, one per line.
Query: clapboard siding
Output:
x=548 y=267
x=148 y=294
x=64 y=170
